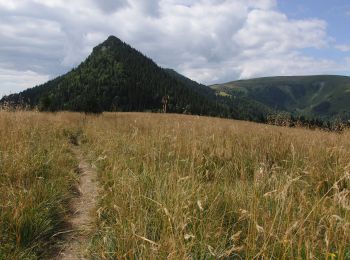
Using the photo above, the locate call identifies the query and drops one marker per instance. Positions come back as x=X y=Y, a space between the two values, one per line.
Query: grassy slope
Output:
x=36 y=175
x=177 y=186
x=321 y=96
x=183 y=186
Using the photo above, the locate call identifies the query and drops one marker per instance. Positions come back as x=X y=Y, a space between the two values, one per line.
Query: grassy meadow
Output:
x=177 y=187
x=36 y=178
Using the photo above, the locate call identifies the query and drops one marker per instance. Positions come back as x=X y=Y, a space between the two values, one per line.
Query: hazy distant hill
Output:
x=325 y=97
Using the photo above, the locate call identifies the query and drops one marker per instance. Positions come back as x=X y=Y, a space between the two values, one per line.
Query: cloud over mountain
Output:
x=207 y=40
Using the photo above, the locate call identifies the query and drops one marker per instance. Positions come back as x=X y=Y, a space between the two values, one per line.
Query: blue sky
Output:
x=335 y=12
x=337 y=15
x=210 y=41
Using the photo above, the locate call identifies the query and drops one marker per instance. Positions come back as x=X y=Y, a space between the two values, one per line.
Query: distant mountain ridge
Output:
x=117 y=77
x=322 y=96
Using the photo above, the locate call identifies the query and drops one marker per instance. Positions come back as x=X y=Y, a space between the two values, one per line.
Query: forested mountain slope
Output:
x=325 y=96
x=116 y=77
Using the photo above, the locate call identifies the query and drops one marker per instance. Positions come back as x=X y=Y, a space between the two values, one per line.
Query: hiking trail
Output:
x=82 y=219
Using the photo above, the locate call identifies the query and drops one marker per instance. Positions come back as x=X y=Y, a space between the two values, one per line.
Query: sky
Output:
x=210 y=41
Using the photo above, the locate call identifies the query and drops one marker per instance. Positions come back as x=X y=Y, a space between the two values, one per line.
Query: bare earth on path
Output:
x=82 y=220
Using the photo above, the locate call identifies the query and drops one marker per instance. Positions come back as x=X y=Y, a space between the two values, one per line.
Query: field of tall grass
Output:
x=175 y=186
x=36 y=178
x=192 y=187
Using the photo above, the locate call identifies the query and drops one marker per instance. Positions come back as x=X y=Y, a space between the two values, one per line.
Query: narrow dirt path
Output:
x=82 y=220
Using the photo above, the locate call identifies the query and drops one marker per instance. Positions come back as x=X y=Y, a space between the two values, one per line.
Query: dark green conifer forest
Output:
x=116 y=77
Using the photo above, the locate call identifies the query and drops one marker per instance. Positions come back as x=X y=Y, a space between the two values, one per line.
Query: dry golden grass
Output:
x=36 y=174
x=193 y=187
x=181 y=186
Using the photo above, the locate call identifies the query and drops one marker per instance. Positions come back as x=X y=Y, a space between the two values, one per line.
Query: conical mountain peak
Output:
x=117 y=77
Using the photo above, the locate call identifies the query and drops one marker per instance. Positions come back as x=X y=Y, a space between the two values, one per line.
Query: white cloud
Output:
x=343 y=47
x=111 y=6
x=12 y=81
x=149 y=7
x=291 y=64
x=208 y=40
x=266 y=30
